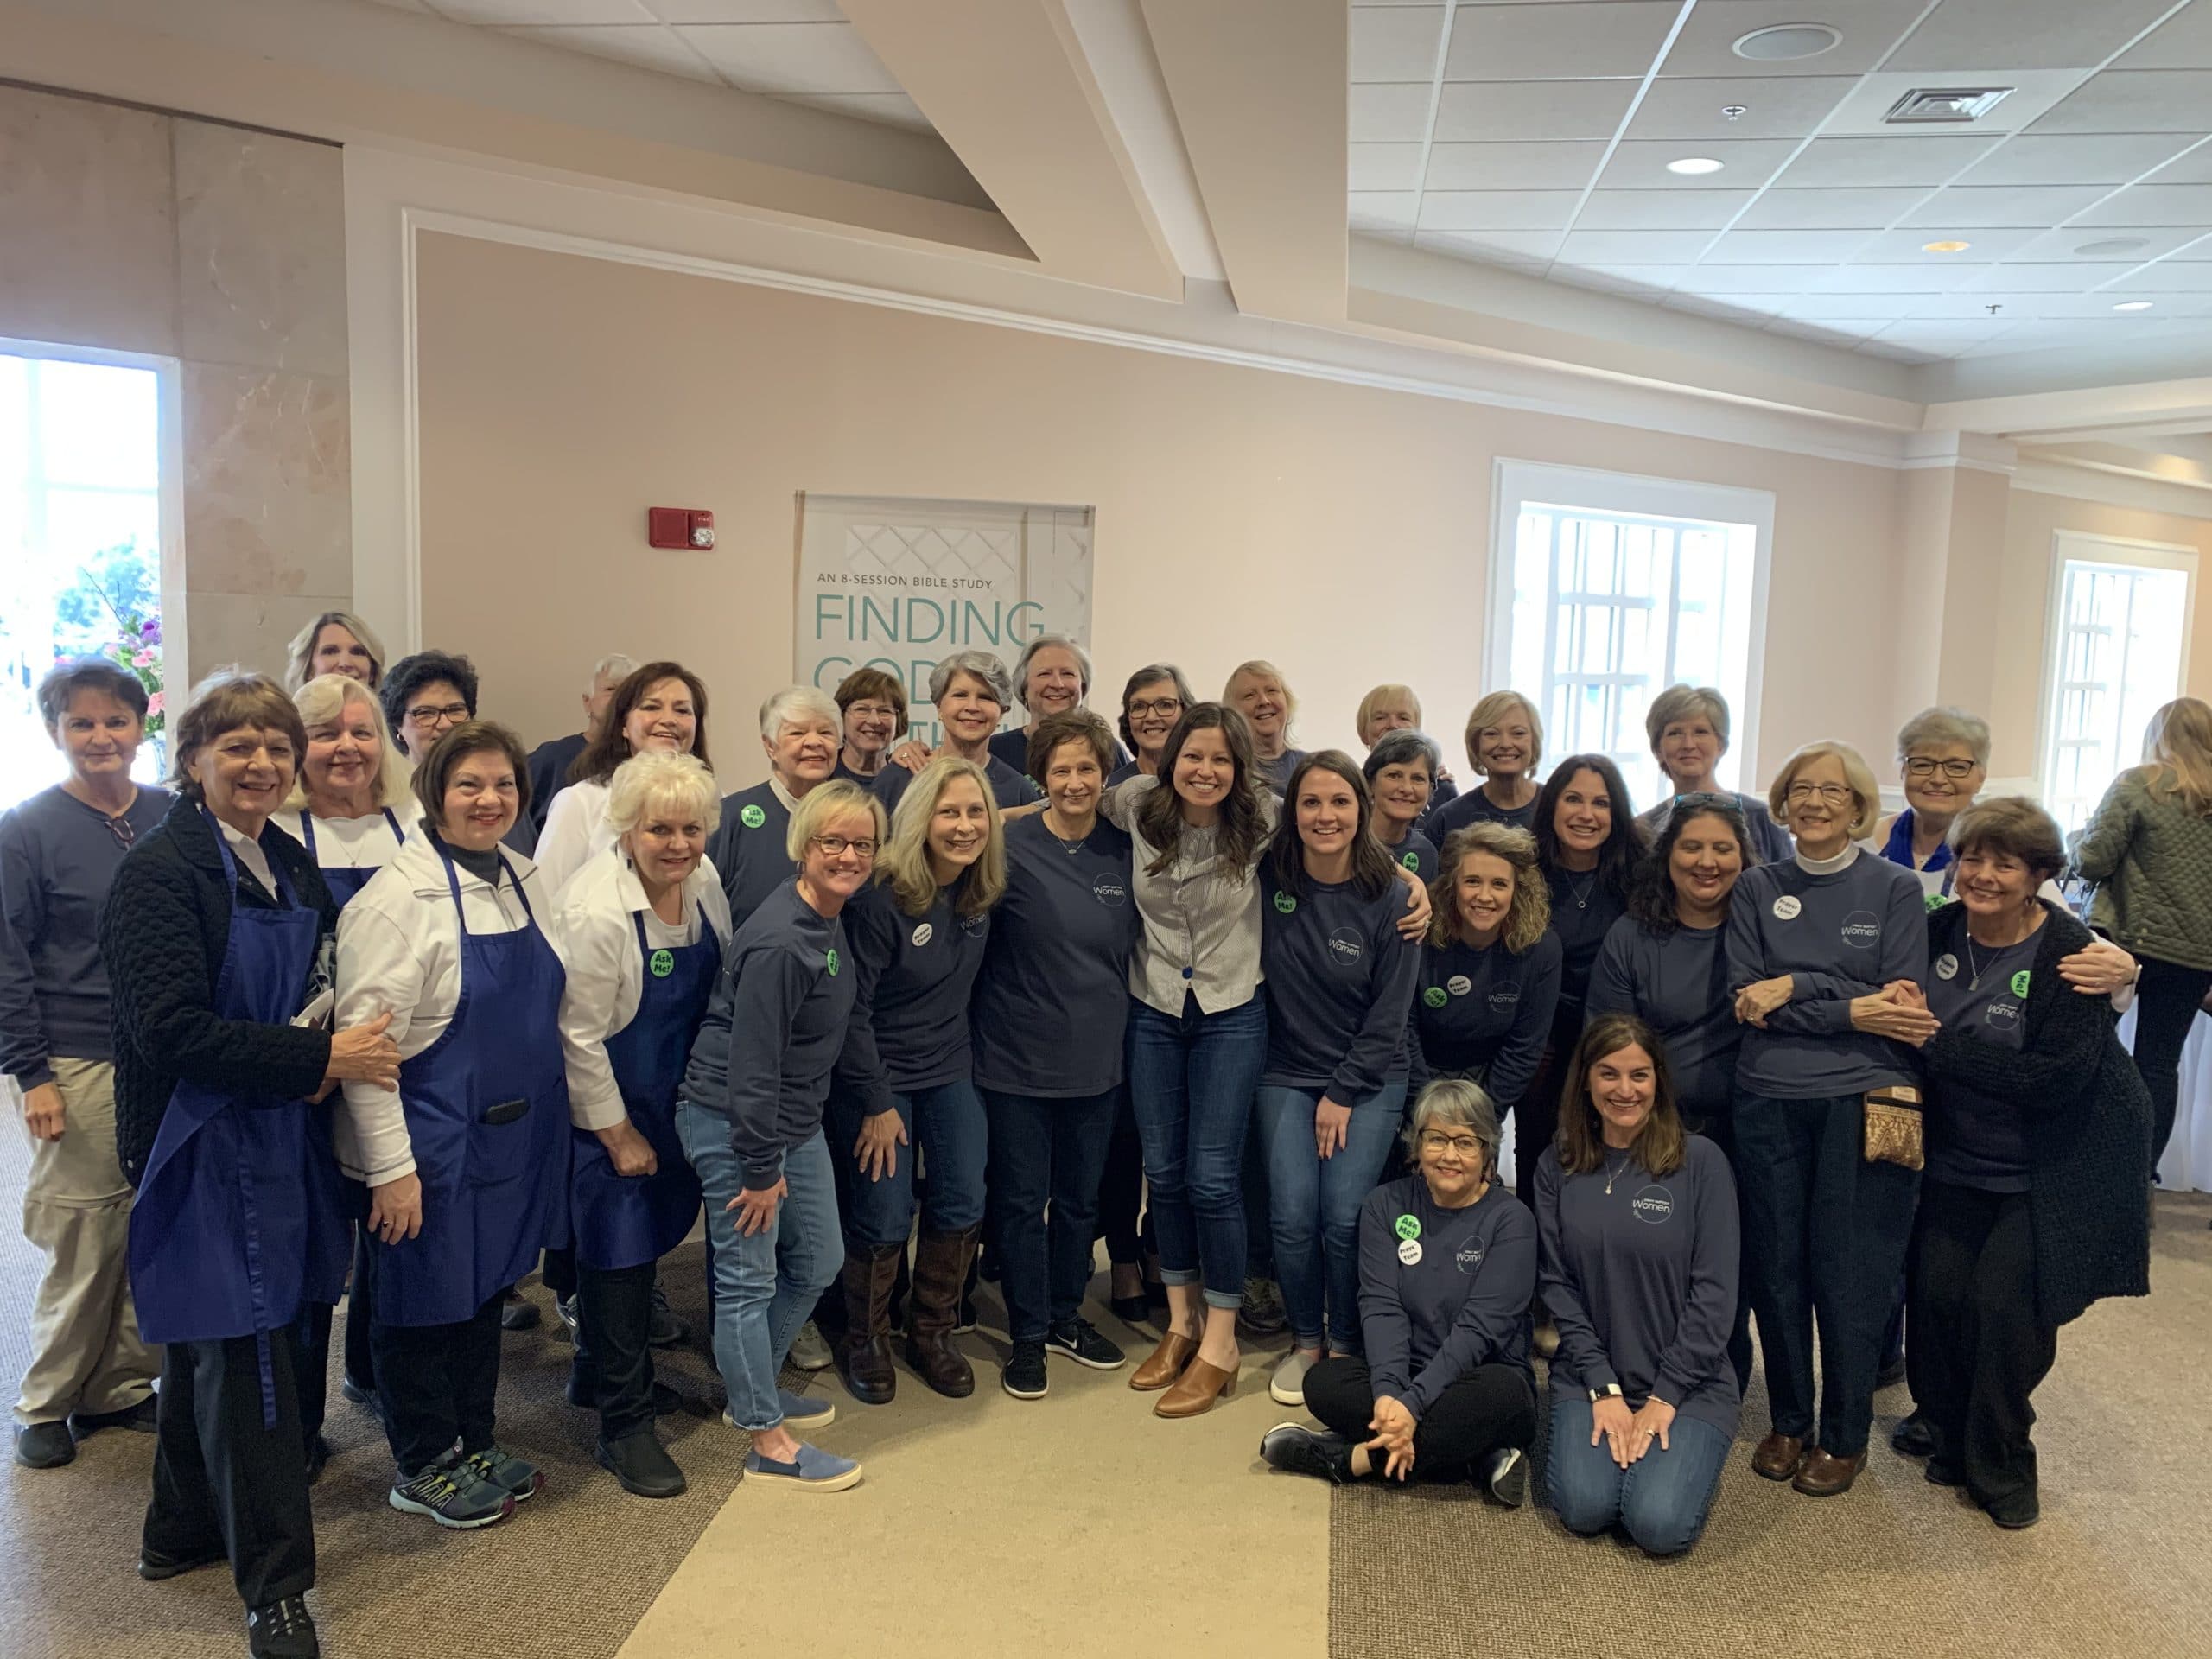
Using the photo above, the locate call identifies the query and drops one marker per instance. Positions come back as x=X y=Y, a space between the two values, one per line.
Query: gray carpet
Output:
x=2118 y=1565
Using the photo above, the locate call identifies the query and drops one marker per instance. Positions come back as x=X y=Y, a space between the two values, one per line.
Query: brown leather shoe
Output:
x=1826 y=1475
x=864 y=1352
x=940 y=1269
x=1166 y=1363
x=1779 y=1456
x=1201 y=1384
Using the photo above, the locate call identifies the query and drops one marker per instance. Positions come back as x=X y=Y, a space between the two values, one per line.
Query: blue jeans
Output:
x=1046 y=1153
x=946 y=1123
x=1824 y=1235
x=1662 y=1499
x=1314 y=1205
x=764 y=1286
x=1192 y=1077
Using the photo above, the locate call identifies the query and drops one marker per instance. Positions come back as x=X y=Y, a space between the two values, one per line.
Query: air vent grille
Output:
x=1945 y=105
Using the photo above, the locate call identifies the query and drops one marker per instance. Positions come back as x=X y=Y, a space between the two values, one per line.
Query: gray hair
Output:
x=1029 y=652
x=652 y=779
x=321 y=701
x=1682 y=702
x=1455 y=1104
x=983 y=665
x=614 y=668
x=1933 y=726
x=1402 y=748
x=794 y=701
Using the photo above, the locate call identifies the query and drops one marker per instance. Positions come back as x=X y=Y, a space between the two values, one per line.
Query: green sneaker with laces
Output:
x=453 y=1494
x=512 y=1476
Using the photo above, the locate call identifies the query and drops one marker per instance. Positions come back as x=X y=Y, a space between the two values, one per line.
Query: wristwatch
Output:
x=1610 y=1391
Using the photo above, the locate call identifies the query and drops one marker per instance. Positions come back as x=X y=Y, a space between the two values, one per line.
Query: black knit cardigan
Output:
x=2085 y=1115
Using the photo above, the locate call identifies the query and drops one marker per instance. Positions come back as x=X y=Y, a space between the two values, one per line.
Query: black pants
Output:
x=615 y=1360
x=360 y=1368
x=1717 y=1123
x=1492 y=1406
x=2167 y=998
x=437 y=1384
x=1979 y=1347
x=1045 y=1154
x=224 y=1478
x=561 y=1274
x=1121 y=1190
x=1536 y=1115
x=311 y=1367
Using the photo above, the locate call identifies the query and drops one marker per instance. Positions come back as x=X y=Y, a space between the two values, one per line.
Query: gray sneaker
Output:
x=812 y=1470
x=811 y=1349
x=453 y=1496
x=512 y=1476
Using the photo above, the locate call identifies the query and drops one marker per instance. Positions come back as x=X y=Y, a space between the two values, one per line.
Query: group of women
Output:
x=350 y=1034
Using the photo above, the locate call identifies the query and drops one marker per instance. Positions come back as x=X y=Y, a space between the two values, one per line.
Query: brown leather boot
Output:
x=1826 y=1475
x=864 y=1355
x=940 y=1269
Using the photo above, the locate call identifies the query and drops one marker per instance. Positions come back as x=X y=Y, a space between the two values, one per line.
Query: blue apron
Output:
x=627 y=1221
x=494 y=1193
x=344 y=883
x=240 y=1217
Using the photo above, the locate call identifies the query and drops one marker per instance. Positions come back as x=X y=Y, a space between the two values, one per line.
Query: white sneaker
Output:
x=1287 y=1386
x=811 y=1350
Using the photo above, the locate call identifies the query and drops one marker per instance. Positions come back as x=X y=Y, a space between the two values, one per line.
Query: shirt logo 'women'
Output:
x=1654 y=1206
x=1862 y=930
x=1469 y=1258
x=1346 y=947
x=1110 y=891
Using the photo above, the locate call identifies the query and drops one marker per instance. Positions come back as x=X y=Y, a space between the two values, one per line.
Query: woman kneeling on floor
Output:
x=1447 y=1261
x=1638 y=1219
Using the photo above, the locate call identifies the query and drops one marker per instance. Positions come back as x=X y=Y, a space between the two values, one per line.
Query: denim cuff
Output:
x=1231 y=1299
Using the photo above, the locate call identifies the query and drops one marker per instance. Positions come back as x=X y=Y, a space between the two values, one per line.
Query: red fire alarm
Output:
x=679 y=527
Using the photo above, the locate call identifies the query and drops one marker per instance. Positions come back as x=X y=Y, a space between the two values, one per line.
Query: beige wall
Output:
x=1338 y=529
x=223 y=249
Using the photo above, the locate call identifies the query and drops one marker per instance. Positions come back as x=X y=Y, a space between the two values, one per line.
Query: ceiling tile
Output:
x=1829 y=210
x=1634 y=247
x=1497 y=210
x=1785 y=247
x=1969 y=207
x=1382 y=167
x=891 y=108
x=1512 y=167
x=2156 y=204
x=1746 y=163
x=1869 y=28
x=1733 y=282
x=544 y=11
x=1521 y=250
x=646 y=46
x=1906 y=246
x=1555 y=42
x=1922 y=159
x=2135 y=100
x=1779 y=106
x=1975 y=307
x=1650 y=279
x=2065 y=158
x=745 y=11
x=1505 y=111
x=2100 y=305
x=1979 y=34
x=1833 y=308
x=791 y=57
x=1896 y=279
x=2183 y=42
x=1661 y=210
x=1631 y=281
x=2068 y=247
x=1380 y=210
x=2167 y=276
x=1946 y=334
x=1396 y=42
x=2022 y=278
x=2192 y=167
x=1388 y=112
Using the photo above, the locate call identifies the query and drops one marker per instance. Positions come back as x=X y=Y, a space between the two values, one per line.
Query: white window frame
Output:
x=2120 y=552
x=1516 y=483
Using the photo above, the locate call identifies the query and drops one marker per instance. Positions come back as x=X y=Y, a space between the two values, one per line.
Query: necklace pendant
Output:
x=1582 y=904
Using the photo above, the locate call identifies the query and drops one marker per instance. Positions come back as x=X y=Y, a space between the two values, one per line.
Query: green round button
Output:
x=663 y=963
x=830 y=961
x=752 y=817
x=1406 y=1226
x=1285 y=903
x=1434 y=996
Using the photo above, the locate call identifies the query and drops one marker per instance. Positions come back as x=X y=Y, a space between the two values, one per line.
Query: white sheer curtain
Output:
x=2187 y=1166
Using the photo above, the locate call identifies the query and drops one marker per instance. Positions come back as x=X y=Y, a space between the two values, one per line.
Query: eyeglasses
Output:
x=837 y=846
x=124 y=831
x=1834 y=794
x=1154 y=706
x=872 y=711
x=1920 y=767
x=1466 y=1145
x=429 y=713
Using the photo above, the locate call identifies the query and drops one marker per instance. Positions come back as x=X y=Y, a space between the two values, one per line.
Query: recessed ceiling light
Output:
x=2112 y=245
x=1786 y=42
x=1945 y=247
x=2134 y=305
x=1694 y=164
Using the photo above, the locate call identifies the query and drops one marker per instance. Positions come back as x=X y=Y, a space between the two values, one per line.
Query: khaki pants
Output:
x=86 y=1355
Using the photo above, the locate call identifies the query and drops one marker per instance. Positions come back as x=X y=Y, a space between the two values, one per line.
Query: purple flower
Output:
x=150 y=631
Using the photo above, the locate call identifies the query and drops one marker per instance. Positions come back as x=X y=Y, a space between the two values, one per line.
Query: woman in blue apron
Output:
x=216 y=941
x=641 y=928
x=468 y=1169
x=352 y=810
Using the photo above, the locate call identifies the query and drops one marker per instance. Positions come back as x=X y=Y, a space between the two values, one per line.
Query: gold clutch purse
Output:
x=1893 y=1126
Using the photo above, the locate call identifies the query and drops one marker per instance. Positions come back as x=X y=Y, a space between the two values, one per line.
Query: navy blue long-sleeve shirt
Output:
x=1339 y=980
x=772 y=1030
x=1678 y=985
x=1583 y=911
x=749 y=849
x=1484 y=1009
x=1009 y=787
x=1475 y=807
x=1842 y=934
x=1642 y=1279
x=1416 y=853
x=911 y=977
x=1462 y=1302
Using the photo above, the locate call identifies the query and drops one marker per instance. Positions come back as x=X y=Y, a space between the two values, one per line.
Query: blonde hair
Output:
x=1682 y=702
x=1379 y=696
x=2178 y=753
x=1529 y=913
x=1856 y=772
x=323 y=699
x=1489 y=712
x=299 y=655
x=653 y=778
x=1261 y=669
x=824 y=806
x=904 y=864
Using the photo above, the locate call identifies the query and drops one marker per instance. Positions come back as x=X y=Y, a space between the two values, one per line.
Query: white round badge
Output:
x=1946 y=966
x=924 y=934
x=1410 y=1251
x=1787 y=906
x=1458 y=984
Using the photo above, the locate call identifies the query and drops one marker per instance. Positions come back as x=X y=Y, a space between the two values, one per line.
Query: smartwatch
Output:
x=1610 y=1391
